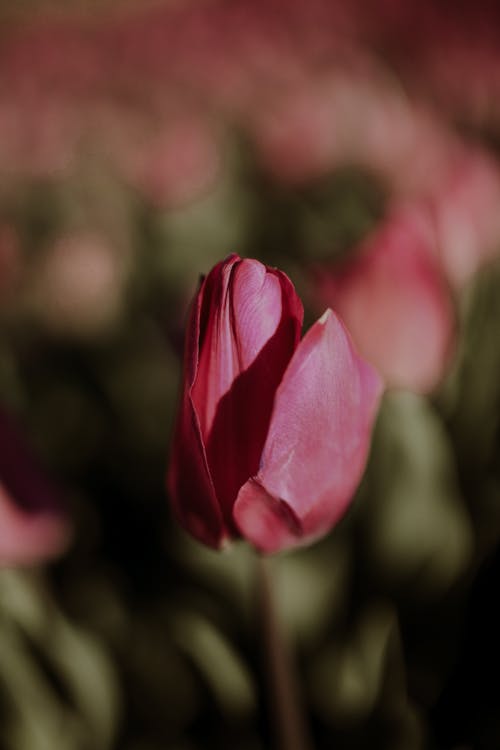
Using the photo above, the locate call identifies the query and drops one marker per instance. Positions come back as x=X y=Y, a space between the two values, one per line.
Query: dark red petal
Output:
x=189 y=482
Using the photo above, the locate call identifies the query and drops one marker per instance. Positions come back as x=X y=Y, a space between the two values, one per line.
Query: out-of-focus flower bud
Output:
x=395 y=301
x=465 y=204
x=273 y=433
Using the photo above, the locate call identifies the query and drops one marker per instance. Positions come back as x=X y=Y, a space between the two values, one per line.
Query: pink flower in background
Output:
x=33 y=523
x=465 y=202
x=451 y=57
x=314 y=85
x=79 y=284
x=296 y=134
x=352 y=114
x=39 y=136
x=273 y=433
x=174 y=166
x=395 y=301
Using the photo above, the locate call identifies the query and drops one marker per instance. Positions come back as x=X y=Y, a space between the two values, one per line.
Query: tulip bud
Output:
x=272 y=433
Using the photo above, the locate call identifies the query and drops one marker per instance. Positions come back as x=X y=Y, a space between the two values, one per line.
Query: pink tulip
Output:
x=395 y=301
x=33 y=524
x=273 y=433
x=464 y=202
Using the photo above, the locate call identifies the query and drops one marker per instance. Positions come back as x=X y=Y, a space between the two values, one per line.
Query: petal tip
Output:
x=268 y=523
x=323 y=320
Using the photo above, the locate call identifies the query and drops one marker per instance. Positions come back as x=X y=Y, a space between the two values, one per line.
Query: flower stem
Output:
x=286 y=707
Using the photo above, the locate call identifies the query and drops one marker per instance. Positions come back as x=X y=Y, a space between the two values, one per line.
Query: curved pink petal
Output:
x=27 y=538
x=317 y=444
x=465 y=204
x=396 y=303
x=244 y=328
x=266 y=321
x=242 y=309
x=34 y=525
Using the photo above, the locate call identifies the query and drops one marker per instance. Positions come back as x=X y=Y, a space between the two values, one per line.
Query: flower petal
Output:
x=317 y=444
x=396 y=303
x=257 y=331
x=243 y=306
x=28 y=538
x=244 y=326
x=189 y=482
x=34 y=525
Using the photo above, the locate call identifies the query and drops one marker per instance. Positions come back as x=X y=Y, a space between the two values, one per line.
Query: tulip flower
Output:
x=393 y=296
x=33 y=524
x=273 y=432
x=464 y=201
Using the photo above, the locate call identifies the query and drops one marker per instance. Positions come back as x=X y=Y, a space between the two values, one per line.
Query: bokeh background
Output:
x=141 y=142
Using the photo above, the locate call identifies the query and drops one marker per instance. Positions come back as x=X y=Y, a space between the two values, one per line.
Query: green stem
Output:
x=285 y=704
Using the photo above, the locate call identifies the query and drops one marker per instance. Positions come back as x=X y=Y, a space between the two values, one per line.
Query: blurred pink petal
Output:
x=465 y=203
x=28 y=538
x=395 y=302
x=33 y=522
x=79 y=284
x=352 y=114
x=175 y=166
x=313 y=84
x=297 y=134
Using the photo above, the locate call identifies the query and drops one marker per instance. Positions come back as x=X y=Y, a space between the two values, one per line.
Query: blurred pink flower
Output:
x=34 y=526
x=465 y=202
x=174 y=166
x=316 y=85
x=449 y=57
x=395 y=301
x=39 y=136
x=355 y=114
x=78 y=286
